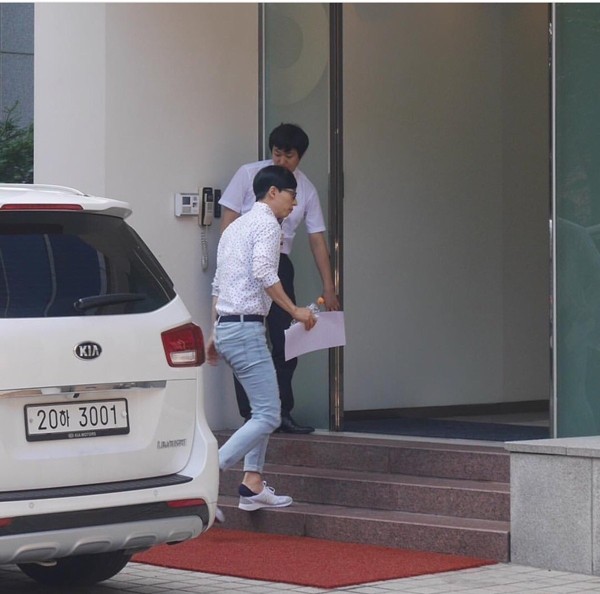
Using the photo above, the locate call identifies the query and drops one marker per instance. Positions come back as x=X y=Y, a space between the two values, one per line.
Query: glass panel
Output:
x=578 y=218
x=297 y=91
x=16 y=92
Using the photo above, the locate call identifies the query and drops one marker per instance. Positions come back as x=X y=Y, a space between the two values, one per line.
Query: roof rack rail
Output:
x=44 y=188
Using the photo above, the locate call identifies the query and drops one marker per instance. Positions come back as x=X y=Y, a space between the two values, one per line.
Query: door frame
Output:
x=336 y=203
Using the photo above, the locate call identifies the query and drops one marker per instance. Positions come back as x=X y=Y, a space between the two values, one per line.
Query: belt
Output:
x=242 y=318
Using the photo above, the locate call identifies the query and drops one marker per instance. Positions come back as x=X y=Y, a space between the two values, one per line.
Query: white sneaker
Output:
x=266 y=498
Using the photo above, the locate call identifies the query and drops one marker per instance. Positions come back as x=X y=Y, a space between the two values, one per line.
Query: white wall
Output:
x=526 y=208
x=69 y=100
x=139 y=101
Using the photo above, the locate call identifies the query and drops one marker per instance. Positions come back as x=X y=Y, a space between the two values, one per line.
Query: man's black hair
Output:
x=288 y=137
x=273 y=175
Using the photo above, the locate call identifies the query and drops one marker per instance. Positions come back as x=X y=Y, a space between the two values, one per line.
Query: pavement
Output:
x=503 y=578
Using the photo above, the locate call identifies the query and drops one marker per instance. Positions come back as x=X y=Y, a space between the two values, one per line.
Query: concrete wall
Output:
x=555 y=503
x=139 y=101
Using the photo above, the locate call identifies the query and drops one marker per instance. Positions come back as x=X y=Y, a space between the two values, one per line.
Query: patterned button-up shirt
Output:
x=247 y=262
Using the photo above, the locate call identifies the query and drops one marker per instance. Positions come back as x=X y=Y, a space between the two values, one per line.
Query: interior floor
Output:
x=532 y=419
x=501 y=426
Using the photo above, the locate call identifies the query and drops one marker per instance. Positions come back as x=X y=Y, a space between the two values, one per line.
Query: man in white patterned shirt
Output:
x=288 y=143
x=245 y=284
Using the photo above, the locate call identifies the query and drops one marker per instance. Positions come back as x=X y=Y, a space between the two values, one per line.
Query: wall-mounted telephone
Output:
x=207 y=207
x=205 y=218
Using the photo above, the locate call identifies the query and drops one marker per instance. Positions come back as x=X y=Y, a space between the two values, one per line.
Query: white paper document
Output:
x=328 y=332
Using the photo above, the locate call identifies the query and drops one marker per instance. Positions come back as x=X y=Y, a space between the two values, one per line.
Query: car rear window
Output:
x=60 y=264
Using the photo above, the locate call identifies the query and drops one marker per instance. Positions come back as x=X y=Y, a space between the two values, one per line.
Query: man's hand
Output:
x=212 y=356
x=332 y=303
x=304 y=315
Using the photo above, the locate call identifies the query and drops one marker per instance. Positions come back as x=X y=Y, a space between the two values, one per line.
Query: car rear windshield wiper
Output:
x=99 y=300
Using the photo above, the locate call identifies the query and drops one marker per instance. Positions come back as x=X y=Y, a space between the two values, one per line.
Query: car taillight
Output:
x=4 y=522
x=184 y=346
x=41 y=207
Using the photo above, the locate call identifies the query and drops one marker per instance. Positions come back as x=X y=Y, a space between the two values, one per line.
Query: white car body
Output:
x=104 y=446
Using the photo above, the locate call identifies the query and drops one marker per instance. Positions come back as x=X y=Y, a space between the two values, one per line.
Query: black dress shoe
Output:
x=288 y=425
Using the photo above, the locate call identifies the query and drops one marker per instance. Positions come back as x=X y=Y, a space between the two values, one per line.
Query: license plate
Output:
x=76 y=420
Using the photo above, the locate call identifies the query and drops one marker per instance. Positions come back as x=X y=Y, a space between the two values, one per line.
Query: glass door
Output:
x=577 y=218
x=446 y=209
x=296 y=90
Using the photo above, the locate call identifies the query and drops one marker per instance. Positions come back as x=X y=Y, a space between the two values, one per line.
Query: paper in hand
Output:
x=328 y=332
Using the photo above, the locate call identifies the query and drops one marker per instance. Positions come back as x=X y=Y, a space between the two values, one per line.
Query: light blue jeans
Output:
x=243 y=345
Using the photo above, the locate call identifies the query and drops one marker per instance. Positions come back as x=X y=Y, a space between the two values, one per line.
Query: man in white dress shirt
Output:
x=287 y=143
x=245 y=285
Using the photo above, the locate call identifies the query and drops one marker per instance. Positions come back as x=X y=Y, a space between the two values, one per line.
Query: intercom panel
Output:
x=187 y=204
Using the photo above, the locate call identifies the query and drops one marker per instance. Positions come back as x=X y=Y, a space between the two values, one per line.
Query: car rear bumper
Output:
x=129 y=528
x=96 y=489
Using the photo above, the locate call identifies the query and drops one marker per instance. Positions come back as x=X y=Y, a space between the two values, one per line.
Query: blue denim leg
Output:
x=243 y=345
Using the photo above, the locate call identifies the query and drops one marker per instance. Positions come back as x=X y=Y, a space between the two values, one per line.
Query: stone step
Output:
x=484 y=539
x=384 y=491
x=439 y=458
x=431 y=495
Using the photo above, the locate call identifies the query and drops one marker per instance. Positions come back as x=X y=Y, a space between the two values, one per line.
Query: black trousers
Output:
x=278 y=321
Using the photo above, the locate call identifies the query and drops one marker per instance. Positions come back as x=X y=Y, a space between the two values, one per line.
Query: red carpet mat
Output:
x=299 y=560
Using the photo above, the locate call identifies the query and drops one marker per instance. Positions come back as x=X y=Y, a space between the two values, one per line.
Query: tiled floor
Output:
x=493 y=579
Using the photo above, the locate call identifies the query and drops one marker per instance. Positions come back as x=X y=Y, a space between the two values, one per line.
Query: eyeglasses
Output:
x=289 y=191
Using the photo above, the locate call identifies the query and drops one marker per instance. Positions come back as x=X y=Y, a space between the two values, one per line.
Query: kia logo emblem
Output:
x=87 y=351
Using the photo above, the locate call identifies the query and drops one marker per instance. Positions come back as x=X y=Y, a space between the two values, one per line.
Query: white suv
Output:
x=104 y=447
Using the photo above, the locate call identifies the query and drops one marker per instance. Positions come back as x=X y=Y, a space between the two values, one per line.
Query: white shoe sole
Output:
x=256 y=505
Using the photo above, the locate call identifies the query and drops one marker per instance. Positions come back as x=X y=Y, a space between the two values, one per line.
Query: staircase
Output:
x=431 y=496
